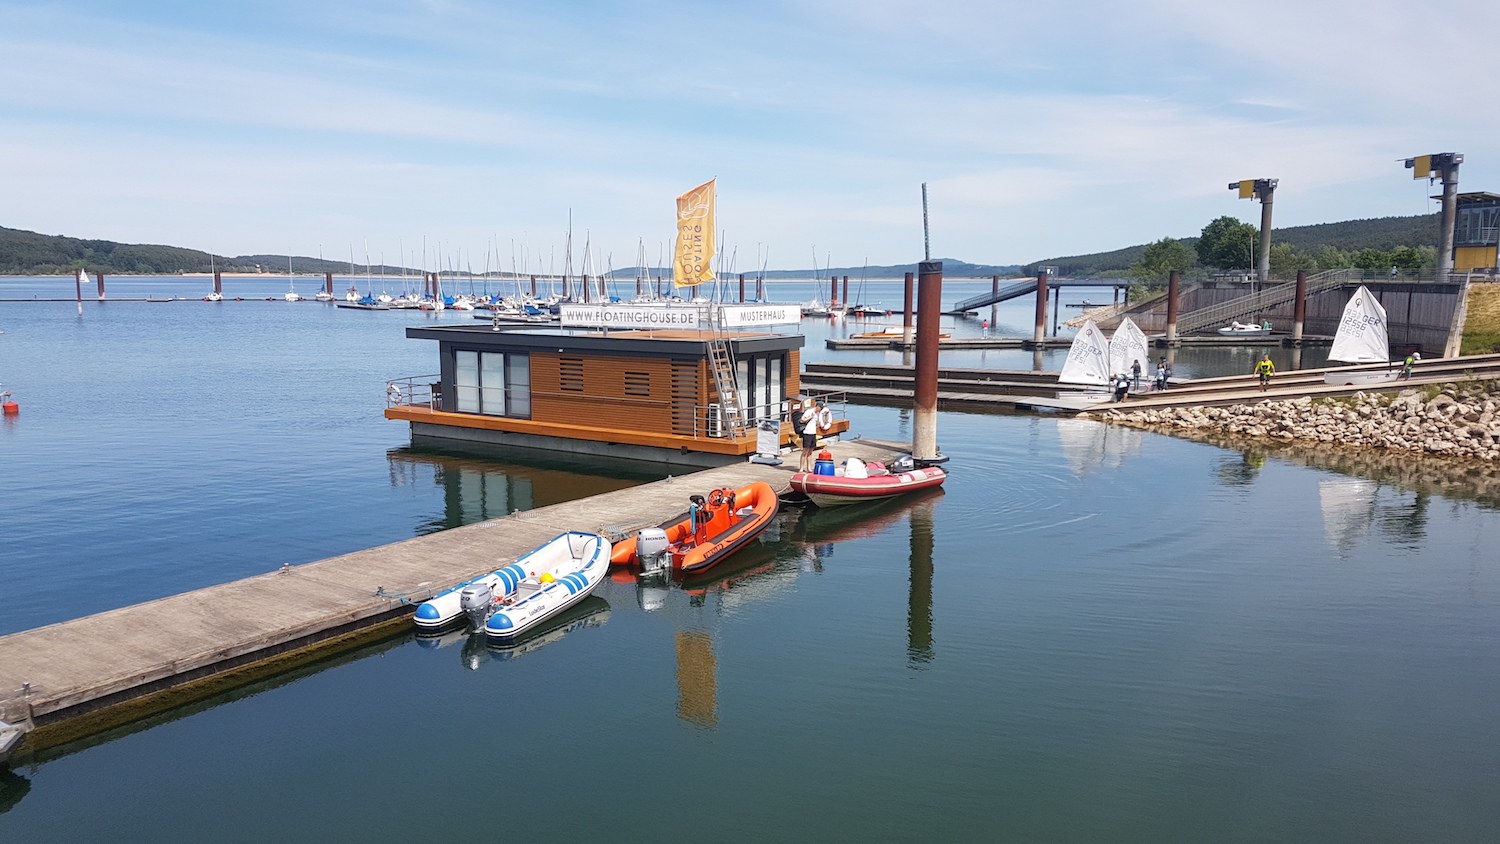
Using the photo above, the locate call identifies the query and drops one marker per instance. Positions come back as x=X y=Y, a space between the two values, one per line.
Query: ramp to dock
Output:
x=60 y=672
x=1022 y=288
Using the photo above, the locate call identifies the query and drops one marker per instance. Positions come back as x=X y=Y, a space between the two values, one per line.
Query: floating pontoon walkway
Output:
x=78 y=677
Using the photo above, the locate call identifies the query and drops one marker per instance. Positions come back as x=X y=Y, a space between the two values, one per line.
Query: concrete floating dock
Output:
x=958 y=388
x=1245 y=389
x=948 y=343
x=846 y=343
x=89 y=674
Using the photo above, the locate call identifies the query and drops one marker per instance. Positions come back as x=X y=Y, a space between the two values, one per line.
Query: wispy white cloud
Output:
x=1042 y=129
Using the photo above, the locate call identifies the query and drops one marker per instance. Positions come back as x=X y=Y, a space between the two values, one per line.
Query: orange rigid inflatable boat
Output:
x=713 y=528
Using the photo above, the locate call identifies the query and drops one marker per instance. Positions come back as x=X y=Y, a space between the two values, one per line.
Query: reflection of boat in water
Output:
x=711 y=530
x=478 y=649
x=13 y=787
x=839 y=524
x=1348 y=506
x=1088 y=445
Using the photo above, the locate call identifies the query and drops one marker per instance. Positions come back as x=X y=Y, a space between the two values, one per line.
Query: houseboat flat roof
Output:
x=634 y=341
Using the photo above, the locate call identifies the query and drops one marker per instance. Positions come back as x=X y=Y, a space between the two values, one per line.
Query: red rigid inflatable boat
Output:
x=831 y=490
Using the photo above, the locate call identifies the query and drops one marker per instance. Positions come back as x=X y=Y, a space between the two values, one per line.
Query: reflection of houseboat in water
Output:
x=683 y=396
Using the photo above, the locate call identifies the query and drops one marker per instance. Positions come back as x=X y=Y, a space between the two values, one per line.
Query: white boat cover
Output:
x=1362 y=336
x=1088 y=359
x=1128 y=346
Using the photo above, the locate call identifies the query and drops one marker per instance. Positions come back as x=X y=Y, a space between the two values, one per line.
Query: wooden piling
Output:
x=99 y=277
x=1039 y=333
x=924 y=397
x=906 y=323
x=742 y=287
x=1300 y=308
x=328 y=283
x=1172 y=292
x=218 y=283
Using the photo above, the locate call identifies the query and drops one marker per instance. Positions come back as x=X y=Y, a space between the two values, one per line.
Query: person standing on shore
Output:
x=1135 y=374
x=1265 y=369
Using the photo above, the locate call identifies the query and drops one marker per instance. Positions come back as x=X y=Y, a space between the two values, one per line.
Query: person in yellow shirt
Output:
x=1264 y=368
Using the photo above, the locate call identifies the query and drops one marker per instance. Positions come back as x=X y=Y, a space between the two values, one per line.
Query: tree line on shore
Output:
x=1227 y=245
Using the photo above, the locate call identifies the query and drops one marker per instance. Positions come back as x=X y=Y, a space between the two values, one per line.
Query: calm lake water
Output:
x=1089 y=635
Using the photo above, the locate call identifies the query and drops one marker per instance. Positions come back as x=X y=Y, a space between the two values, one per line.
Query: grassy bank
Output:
x=1482 y=325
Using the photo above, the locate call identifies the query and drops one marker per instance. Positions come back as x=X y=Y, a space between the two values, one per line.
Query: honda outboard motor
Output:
x=477 y=600
x=652 y=549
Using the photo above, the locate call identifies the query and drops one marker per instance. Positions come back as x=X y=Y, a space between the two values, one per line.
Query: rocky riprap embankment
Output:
x=1454 y=420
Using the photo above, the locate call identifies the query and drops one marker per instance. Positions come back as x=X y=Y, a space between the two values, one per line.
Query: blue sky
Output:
x=1043 y=129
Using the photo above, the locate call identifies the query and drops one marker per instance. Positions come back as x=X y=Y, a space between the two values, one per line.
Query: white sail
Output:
x=1362 y=336
x=83 y=278
x=1088 y=359
x=1128 y=346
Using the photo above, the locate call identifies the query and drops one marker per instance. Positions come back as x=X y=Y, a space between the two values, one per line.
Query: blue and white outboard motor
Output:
x=653 y=550
x=478 y=601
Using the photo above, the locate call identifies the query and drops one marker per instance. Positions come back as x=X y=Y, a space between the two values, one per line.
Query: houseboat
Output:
x=665 y=395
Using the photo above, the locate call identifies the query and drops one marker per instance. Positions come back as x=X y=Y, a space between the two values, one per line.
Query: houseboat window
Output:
x=760 y=385
x=518 y=385
x=466 y=380
x=494 y=383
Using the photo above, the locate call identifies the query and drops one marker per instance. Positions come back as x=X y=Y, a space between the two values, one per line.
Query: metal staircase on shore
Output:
x=1255 y=303
x=721 y=361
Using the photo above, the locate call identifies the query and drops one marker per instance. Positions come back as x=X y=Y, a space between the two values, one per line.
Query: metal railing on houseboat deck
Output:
x=416 y=391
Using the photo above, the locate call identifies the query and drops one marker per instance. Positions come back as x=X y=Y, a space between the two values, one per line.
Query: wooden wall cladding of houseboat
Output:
x=657 y=394
x=607 y=391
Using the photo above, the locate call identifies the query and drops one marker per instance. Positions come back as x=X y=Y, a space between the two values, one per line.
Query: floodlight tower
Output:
x=1442 y=165
x=1265 y=191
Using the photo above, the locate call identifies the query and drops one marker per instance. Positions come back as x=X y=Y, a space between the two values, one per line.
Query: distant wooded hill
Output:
x=29 y=253
x=1382 y=233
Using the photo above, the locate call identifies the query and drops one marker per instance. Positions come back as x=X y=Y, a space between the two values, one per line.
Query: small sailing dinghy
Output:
x=857 y=485
x=518 y=597
x=1362 y=338
x=711 y=529
x=1088 y=358
x=1127 y=348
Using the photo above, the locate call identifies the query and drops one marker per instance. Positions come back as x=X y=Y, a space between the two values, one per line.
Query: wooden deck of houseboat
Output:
x=743 y=444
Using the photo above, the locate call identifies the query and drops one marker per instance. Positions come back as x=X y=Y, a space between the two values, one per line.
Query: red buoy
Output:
x=11 y=408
